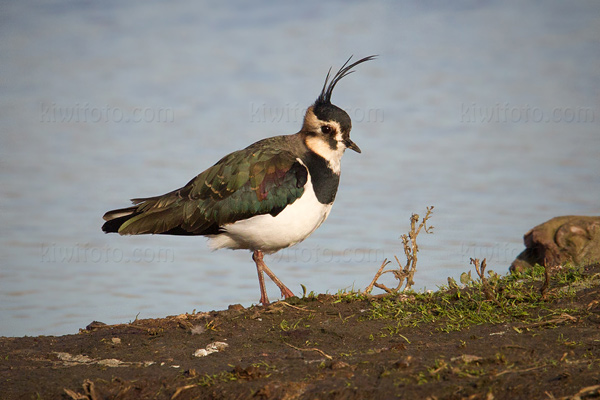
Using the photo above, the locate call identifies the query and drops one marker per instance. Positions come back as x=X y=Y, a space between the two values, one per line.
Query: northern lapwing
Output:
x=264 y=198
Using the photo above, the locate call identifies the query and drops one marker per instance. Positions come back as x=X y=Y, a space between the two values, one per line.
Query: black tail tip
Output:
x=112 y=226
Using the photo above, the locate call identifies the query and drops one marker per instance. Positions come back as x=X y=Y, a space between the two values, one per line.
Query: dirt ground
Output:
x=326 y=347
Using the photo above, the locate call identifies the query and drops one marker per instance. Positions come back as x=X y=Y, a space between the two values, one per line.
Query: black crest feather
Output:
x=325 y=96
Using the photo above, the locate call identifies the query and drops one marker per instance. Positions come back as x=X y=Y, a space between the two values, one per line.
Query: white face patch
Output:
x=323 y=148
x=319 y=144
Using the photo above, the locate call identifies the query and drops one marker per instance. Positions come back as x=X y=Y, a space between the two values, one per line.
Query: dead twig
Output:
x=405 y=272
x=544 y=288
x=585 y=392
x=562 y=318
x=377 y=275
x=321 y=352
x=518 y=371
x=89 y=392
x=295 y=307
x=181 y=389
x=480 y=269
x=74 y=395
x=486 y=288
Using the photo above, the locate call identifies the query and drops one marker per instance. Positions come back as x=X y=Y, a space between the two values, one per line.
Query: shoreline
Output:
x=501 y=337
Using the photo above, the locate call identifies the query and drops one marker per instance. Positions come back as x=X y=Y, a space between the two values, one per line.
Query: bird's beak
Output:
x=351 y=145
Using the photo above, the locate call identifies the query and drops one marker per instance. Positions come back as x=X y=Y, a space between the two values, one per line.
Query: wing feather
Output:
x=243 y=184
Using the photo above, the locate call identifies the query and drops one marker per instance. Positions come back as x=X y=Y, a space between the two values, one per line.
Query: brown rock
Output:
x=557 y=241
x=236 y=307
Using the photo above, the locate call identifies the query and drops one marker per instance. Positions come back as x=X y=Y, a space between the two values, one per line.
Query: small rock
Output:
x=560 y=240
x=217 y=346
x=339 y=365
x=201 y=353
x=190 y=373
x=197 y=329
x=560 y=377
x=95 y=325
x=110 y=362
x=398 y=347
x=116 y=340
x=403 y=363
x=80 y=359
x=211 y=348
x=247 y=373
x=466 y=358
x=236 y=307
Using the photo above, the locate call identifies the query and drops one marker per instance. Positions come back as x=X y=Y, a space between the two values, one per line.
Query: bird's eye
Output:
x=326 y=129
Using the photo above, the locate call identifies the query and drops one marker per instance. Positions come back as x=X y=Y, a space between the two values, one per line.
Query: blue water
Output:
x=487 y=110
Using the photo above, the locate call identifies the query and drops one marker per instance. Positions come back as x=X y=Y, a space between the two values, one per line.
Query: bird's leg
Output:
x=257 y=256
x=285 y=292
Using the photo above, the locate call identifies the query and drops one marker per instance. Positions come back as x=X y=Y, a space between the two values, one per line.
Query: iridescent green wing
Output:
x=256 y=180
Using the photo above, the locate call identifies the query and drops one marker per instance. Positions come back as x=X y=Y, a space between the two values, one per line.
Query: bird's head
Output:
x=327 y=127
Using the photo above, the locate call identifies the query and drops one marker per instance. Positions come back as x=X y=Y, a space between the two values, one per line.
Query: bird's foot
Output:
x=264 y=301
x=261 y=267
x=285 y=292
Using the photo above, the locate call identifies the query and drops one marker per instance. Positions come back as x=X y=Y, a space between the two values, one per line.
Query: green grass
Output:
x=210 y=380
x=514 y=297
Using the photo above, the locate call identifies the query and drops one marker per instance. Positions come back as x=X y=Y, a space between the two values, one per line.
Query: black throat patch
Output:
x=325 y=182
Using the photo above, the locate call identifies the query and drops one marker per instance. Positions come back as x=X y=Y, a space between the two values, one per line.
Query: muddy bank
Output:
x=501 y=340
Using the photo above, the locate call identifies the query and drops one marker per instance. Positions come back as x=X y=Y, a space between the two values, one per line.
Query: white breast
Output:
x=267 y=233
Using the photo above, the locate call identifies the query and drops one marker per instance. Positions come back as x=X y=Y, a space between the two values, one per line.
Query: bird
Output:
x=266 y=197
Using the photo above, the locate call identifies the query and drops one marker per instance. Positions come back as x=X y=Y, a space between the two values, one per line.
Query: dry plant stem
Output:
x=562 y=318
x=480 y=269
x=376 y=277
x=385 y=288
x=296 y=308
x=181 y=389
x=411 y=255
x=544 y=288
x=405 y=273
x=487 y=289
x=583 y=393
x=89 y=392
x=321 y=352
